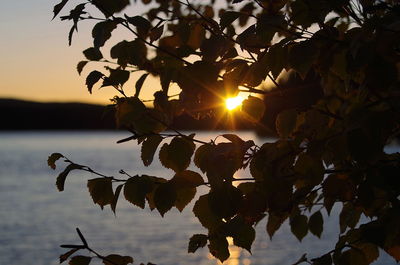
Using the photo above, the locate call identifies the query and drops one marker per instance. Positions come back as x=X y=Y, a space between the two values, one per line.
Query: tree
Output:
x=329 y=151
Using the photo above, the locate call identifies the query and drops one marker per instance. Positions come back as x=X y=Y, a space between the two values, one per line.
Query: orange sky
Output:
x=37 y=63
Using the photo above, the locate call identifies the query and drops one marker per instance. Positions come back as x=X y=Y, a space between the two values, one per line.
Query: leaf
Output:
x=66 y=255
x=117 y=260
x=187 y=179
x=129 y=52
x=323 y=260
x=80 y=260
x=102 y=32
x=183 y=197
x=196 y=37
x=51 y=160
x=80 y=66
x=254 y=108
x=349 y=217
x=225 y=201
x=177 y=155
x=286 y=123
x=219 y=247
x=57 y=8
x=243 y=234
x=136 y=188
x=117 y=77
x=149 y=147
x=92 y=79
x=142 y=25
x=129 y=110
x=203 y=212
x=116 y=196
x=227 y=18
x=302 y=56
x=202 y=155
x=139 y=84
x=108 y=8
x=164 y=197
x=274 y=223
x=315 y=224
x=310 y=168
x=156 y=33
x=352 y=256
x=197 y=241
x=60 y=181
x=101 y=191
x=298 y=226
x=93 y=54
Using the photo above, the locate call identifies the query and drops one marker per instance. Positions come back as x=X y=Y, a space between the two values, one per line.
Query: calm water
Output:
x=35 y=218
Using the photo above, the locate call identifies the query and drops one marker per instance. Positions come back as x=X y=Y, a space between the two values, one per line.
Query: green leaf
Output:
x=286 y=123
x=117 y=260
x=149 y=147
x=63 y=175
x=102 y=32
x=101 y=191
x=254 y=108
x=108 y=8
x=92 y=79
x=197 y=241
x=80 y=260
x=177 y=155
x=165 y=197
x=316 y=223
x=298 y=226
x=136 y=188
x=93 y=54
x=203 y=212
x=116 y=196
x=80 y=66
x=57 y=8
x=51 y=160
x=227 y=18
x=139 y=84
x=219 y=247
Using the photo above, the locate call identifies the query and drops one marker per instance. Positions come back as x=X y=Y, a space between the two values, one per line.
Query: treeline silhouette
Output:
x=28 y=115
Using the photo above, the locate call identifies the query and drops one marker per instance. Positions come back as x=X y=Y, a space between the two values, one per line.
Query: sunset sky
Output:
x=37 y=63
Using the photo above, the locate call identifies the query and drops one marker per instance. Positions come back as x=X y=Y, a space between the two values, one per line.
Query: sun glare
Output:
x=233 y=103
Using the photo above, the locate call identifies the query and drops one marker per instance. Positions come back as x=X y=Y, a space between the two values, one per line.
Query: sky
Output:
x=37 y=63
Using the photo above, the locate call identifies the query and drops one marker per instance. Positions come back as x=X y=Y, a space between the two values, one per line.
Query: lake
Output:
x=35 y=218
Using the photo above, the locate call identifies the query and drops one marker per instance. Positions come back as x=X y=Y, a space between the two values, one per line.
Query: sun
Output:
x=233 y=103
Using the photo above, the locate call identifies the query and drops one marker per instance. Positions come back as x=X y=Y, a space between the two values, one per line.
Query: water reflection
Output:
x=238 y=255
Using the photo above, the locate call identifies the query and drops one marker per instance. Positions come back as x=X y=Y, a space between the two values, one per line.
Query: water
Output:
x=35 y=218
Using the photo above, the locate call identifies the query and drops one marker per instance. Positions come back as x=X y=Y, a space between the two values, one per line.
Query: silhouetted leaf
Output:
x=136 y=188
x=177 y=155
x=298 y=226
x=228 y=17
x=66 y=255
x=225 y=201
x=63 y=175
x=51 y=160
x=243 y=234
x=129 y=52
x=315 y=224
x=286 y=123
x=164 y=197
x=254 y=108
x=310 y=168
x=116 y=196
x=139 y=84
x=93 y=54
x=202 y=155
x=149 y=147
x=129 y=110
x=80 y=260
x=156 y=33
x=92 y=79
x=197 y=241
x=57 y=8
x=101 y=191
x=218 y=247
x=349 y=217
x=108 y=8
x=80 y=66
x=117 y=77
x=183 y=197
x=142 y=25
x=323 y=260
x=302 y=56
x=203 y=212
x=102 y=32
x=117 y=259
x=274 y=223
x=187 y=179
x=353 y=256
